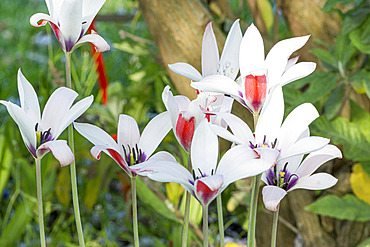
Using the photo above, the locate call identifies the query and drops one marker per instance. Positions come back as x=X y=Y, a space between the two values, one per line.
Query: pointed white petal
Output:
x=40 y=19
x=291 y=62
x=229 y=62
x=218 y=84
x=28 y=98
x=271 y=196
x=297 y=71
x=117 y=157
x=100 y=44
x=89 y=11
x=241 y=162
x=25 y=124
x=268 y=154
x=318 y=181
x=225 y=134
x=316 y=159
x=70 y=22
x=186 y=70
x=96 y=135
x=271 y=116
x=182 y=102
x=252 y=52
x=154 y=133
x=304 y=146
x=56 y=109
x=295 y=123
x=277 y=58
x=59 y=149
x=128 y=134
x=210 y=54
x=171 y=105
x=227 y=104
x=204 y=149
x=293 y=163
x=76 y=111
x=207 y=188
x=239 y=128
x=162 y=155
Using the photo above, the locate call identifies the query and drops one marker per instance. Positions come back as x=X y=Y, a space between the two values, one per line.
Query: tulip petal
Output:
x=297 y=71
x=207 y=188
x=128 y=134
x=229 y=62
x=295 y=123
x=70 y=22
x=59 y=149
x=318 y=181
x=89 y=10
x=182 y=102
x=96 y=135
x=252 y=51
x=219 y=84
x=28 y=98
x=304 y=146
x=25 y=124
x=210 y=54
x=277 y=58
x=76 y=111
x=171 y=106
x=291 y=62
x=316 y=159
x=271 y=117
x=271 y=196
x=225 y=134
x=204 y=150
x=100 y=44
x=239 y=128
x=186 y=70
x=117 y=157
x=154 y=133
x=162 y=156
x=56 y=109
x=241 y=162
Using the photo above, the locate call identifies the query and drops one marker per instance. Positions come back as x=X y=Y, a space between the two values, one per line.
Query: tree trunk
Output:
x=177 y=28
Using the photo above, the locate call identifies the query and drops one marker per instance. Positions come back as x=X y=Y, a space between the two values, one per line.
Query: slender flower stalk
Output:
x=39 y=202
x=205 y=226
x=220 y=220
x=274 y=227
x=185 y=228
x=72 y=167
x=134 y=211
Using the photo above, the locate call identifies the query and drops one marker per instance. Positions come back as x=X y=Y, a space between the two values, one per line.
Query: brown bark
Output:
x=306 y=17
x=177 y=28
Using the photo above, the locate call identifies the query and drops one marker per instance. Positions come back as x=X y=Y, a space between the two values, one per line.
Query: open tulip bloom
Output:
x=130 y=148
x=207 y=180
x=290 y=174
x=272 y=138
x=259 y=75
x=228 y=65
x=40 y=133
x=70 y=20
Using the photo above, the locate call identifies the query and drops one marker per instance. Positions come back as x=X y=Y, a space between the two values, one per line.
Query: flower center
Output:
x=202 y=175
x=42 y=136
x=264 y=144
x=133 y=155
x=282 y=178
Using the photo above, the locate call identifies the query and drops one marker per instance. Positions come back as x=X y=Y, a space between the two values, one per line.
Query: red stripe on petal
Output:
x=185 y=131
x=119 y=160
x=255 y=91
x=205 y=193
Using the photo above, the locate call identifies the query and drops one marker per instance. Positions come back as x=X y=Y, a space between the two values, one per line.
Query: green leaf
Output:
x=348 y=207
x=361 y=81
x=334 y=102
x=341 y=131
x=13 y=231
x=359 y=37
x=360 y=118
x=147 y=197
x=265 y=8
x=331 y=4
x=344 y=49
x=365 y=243
x=6 y=160
x=325 y=57
x=354 y=19
x=366 y=166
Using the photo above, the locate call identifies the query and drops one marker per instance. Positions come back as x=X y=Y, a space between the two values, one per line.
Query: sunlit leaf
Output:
x=348 y=207
x=92 y=191
x=360 y=183
x=265 y=8
x=174 y=192
x=365 y=243
x=6 y=160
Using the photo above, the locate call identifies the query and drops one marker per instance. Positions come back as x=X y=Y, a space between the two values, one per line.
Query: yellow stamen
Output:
x=282 y=174
x=264 y=146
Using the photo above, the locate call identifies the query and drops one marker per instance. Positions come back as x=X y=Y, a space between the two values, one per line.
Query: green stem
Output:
x=253 y=211
x=220 y=220
x=72 y=166
x=39 y=202
x=274 y=227
x=134 y=212
x=185 y=228
x=205 y=226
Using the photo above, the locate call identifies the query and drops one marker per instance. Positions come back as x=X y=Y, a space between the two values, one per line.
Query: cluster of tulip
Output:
x=271 y=151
